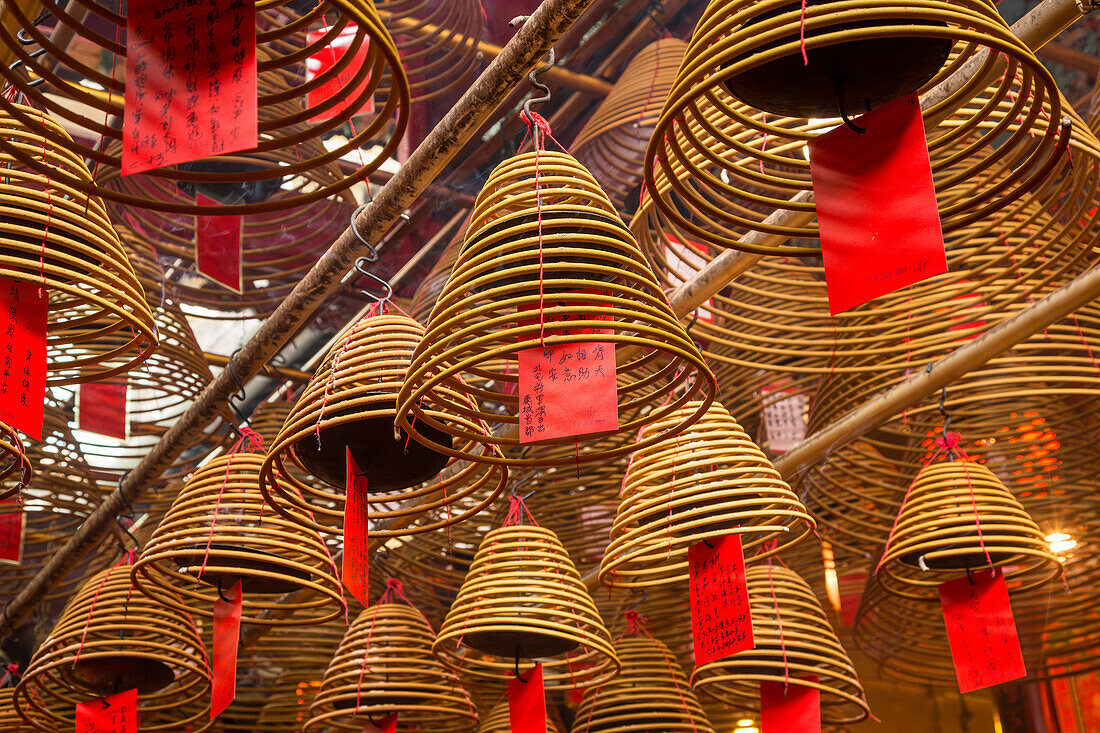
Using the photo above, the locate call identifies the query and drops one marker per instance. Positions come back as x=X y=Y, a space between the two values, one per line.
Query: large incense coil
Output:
x=437 y=42
x=705 y=483
x=349 y=404
x=613 y=140
x=794 y=641
x=498 y=721
x=732 y=165
x=9 y=719
x=524 y=599
x=109 y=639
x=287 y=124
x=15 y=468
x=489 y=311
x=958 y=516
x=219 y=531
x=53 y=234
x=384 y=665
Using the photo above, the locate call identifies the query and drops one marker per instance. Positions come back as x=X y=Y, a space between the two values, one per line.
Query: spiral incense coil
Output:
x=111 y=639
x=218 y=532
x=15 y=467
x=958 y=516
x=349 y=405
x=506 y=296
x=385 y=665
x=613 y=140
x=437 y=42
x=10 y=722
x=498 y=720
x=524 y=599
x=427 y=293
x=794 y=641
x=707 y=482
x=55 y=235
x=287 y=35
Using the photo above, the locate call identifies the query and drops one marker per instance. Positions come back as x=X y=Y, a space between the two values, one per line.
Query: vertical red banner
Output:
x=324 y=61
x=790 y=708
x=23 y=360
x=112 y=714
x=190 y=81
x=356 y=558
x=227 y=635
x=218 y=246
x=721 y=622
x=101 y=408
x=527 y=702
x=981 y=630
x=11 y=532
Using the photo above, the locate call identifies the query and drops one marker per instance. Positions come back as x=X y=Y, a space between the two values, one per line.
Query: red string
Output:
x=363 y=666
x=802 y=35
x=128 y=558
x=635 y=625
x=516 y=509
x=12 y=672
x=977 y=519
x=1084 y=341
x=49 y=216
x=332 y=374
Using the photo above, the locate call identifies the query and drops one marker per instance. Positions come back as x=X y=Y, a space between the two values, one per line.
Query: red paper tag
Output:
x=112 y=714
x=218 y=246
x=101 y=409
x=981 y=630
x=388 y=724
x=23 y=366
x=323 y=61
x=227 y=635
x=721 y=623
x=784 y=419
x=11 y=532
x=786 y=708
x=356 y=558
x=876 y=205
x=527 y=702
x=849 y=602
x=190 y=81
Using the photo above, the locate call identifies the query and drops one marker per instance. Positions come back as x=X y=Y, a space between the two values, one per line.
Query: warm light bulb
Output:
x=1060 y=542
x=745 y=722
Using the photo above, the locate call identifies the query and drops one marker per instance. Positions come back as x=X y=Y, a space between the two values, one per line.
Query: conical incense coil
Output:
x=523 y=599
x=437 y=42
x=287 y=35
x=350 y=405
x=385 y=665
x=10 y=722
x=707 y=482
x=111 y=638
x=498 y=720
x=219 y=531
x=794 y=641
x=535 y=259
x=15 y=467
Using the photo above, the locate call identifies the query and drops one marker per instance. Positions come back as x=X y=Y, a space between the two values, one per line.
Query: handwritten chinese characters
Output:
x=23 y=360
x=356 y=557
x=11 y=532
x=721 y=623
x=784 y=418
x=112 y=714
x=981 y=630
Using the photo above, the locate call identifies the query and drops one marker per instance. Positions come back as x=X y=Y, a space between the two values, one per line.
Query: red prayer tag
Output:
x=112 y=714
x=218 y=246
x=388 y=724
x=876 y=205
x=322 y=64
x=784 y=418
x=786 y=708
x=23 y=366
x=227 y=635
x=527 y=702
x=356 y=557
x=11 y=533
x=981 y=630
x=190 y=82
x=721 y=623
x=101 y=409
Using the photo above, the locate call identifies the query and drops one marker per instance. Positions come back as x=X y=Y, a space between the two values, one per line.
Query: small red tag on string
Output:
x=112 y=714
x=876 y=205
x=527 y=702
x=101 y=408
x=786 y=708
x=190 y=82
x=721 y=623
x=322 y=63
x=11 y=532
x=356 y=558
x=218 y=246
x=227 y=636
x=23 y=359
x=388 y=724
x=981 y=630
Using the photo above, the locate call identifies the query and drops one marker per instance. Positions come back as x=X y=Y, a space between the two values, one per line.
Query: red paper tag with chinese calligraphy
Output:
x=784 y=418
x=11 y=532
x=876 y=205
x=101 y=409
x=218 y=246
x=527 y=702
x=227 y=635
x=23 y=360
x=190 y=81
x=721 y=624
x=112 y=714
x=324 y=61
x=356 y=559
x=388 y=724
x=981 y=630
x=792 y=707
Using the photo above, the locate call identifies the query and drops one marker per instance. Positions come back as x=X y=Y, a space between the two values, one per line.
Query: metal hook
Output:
x=379 y=556
x=221 y=595
x=533 y=77
x=946 y=419
x=644 y=595
x=373 y=256
x=516 y=669
x=526 y=479
x=240 y=395
x=359 y=266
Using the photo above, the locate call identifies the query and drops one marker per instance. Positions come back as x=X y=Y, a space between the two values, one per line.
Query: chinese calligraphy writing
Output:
x=721 y=623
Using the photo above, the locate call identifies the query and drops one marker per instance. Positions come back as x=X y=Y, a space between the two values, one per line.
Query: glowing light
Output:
x=745 y=722
x=1060 y=542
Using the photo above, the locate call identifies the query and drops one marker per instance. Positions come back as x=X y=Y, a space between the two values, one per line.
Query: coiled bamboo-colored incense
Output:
x=497 y=720
x=437 y=42
x=288 y=125
x=10 y=720
x=427 y=293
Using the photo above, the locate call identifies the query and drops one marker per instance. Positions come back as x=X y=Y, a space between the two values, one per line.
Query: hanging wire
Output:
x=526 y=479
x=360 y=266
x=26 y=40
x=240 y=395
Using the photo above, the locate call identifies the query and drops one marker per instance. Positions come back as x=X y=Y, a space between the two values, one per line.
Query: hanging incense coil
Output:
x=523 y=599
x=384 y=665
x=498 y=720
x=613 y=140
x=111 y=639
x=507 y=294
x=707 y=482
x=15 y=467
x=288 y=34
x=794 y=641
x=219 y=531
x=10 y=720
x=438 y=43
x=350 y=405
